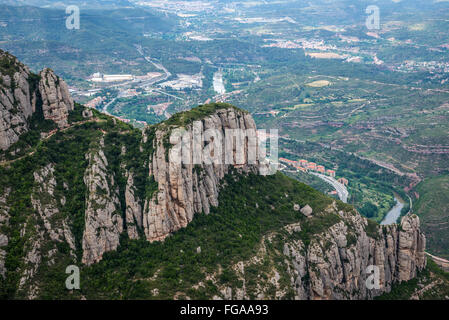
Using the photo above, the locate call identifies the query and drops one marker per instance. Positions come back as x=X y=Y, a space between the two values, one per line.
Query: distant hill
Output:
x=39 y=37
x=58 y=4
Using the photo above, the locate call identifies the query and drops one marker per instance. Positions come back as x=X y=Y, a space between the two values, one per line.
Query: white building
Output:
x=98 y=77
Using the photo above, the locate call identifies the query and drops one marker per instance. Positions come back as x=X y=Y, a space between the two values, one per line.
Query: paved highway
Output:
x=340 y=188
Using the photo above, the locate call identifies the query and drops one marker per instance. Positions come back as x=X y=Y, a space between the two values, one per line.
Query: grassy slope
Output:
x=433 y=208
x=312 y=181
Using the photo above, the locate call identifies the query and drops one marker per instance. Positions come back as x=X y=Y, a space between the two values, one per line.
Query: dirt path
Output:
x=52 y=133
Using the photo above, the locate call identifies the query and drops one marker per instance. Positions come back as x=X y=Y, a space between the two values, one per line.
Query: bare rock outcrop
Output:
x=32 y=262
x=16 y=104
x=45 y=230
x=56 y=99
x=347 y=261
x=48 y=204
x=133 y=209
x=4 y=221
x=23 y=93
x=103 y=220
x=411 y=246
x=189 y=187
x=339 y=262
x=307 y=211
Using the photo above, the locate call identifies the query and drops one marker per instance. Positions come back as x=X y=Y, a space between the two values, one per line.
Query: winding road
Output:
x=140 y=83
x=340 y=188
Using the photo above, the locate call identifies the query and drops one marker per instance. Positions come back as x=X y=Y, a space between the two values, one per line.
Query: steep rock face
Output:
x=46 y=230
x=133 y=208
x=4 y=220
x=56 y=99
x=411 y=244
x=339 y=270
x=32 y=261
x=334 y=265
x=23 y=93
x=47 y=204
x=187 y=188
x=103 y=220
x=16 y=104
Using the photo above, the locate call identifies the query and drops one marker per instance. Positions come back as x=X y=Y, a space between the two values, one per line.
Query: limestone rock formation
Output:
x=411 y=246
x=133 y=209
x=24 y=93
x=48 y=204
x=307 y=211
x=338 y=269
x=103 y=220
x=4 y=221
x=187 y=188
x=56 y=99
x=16 y=104
x=337 y=264
x=46 y=230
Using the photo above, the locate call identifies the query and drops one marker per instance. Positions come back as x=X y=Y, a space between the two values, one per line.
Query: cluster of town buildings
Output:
x=94 y=102
x=306 y=166
x=184 y=81
x=429 y=66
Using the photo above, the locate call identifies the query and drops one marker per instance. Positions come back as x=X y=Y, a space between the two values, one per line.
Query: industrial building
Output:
x=99 y=77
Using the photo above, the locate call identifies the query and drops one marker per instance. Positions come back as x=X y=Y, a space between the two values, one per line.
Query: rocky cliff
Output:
x=4 y=221
x=330 y=252
x=103 y=219
x=24 y=93
x=337 y=262
x=56 y=99
x=17 y=101
x=181 y=188
x=87 y=189
x=191 y=186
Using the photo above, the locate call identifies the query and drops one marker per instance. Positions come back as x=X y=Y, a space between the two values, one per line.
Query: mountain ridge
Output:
x=98 y=191
x=25 y=94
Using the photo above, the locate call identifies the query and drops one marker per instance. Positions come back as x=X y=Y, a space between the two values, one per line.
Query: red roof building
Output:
x=311 y=166
x=330 y=173
x=290 y=162
x=303 y=163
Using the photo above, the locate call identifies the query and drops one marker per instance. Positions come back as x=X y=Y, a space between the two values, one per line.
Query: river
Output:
x=393 y=215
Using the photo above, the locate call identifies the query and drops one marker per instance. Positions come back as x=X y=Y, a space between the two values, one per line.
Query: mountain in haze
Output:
x=58 y=4
x=80 y=188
